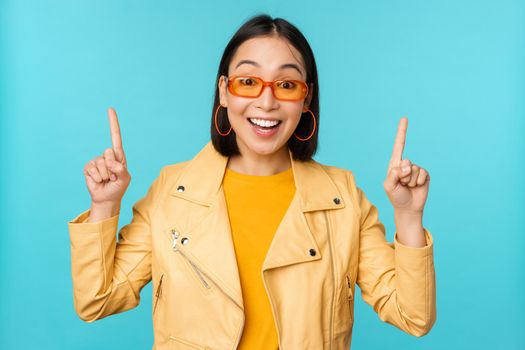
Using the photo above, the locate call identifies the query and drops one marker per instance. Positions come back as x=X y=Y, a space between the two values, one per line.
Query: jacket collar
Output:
x=202 y=180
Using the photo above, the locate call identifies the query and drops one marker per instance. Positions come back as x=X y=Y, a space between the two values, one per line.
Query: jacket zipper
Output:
x=193 y=266
x=158 y=293
x=196 y=269
x=199 y=274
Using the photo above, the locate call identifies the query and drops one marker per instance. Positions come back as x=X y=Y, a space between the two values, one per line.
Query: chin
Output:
x=262 y=148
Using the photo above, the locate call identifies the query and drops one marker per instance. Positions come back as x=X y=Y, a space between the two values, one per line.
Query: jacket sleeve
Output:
x=398 y=281
x=108 y=275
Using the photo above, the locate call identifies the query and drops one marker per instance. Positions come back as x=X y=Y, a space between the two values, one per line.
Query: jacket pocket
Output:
x=158 y=292
x=350 y=296
x=177 y=343
x=343 y=318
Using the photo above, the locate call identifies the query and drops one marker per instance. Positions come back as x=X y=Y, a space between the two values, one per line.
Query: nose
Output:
x=267 y=100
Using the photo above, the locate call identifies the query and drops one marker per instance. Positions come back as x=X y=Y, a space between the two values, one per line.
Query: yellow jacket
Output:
x=179 y=237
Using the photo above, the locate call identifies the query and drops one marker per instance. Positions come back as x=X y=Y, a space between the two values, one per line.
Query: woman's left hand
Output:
x=407 y=190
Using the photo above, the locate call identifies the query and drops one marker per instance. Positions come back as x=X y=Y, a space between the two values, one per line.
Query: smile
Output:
x=267 y=124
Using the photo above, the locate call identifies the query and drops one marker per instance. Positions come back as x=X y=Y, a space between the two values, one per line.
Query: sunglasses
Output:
x=252 y=86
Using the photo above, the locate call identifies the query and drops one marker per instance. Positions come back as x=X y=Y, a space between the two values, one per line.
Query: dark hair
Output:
x=264 y=25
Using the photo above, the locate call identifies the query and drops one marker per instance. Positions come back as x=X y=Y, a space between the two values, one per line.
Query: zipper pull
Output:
x=175 y=236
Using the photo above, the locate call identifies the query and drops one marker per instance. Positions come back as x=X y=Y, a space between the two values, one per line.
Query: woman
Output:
x=252 y=244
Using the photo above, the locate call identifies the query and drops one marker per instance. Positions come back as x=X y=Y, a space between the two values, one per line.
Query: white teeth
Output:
x=265 y=123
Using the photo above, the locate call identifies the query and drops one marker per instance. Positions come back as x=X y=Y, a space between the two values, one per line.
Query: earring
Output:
x=217 y=126
x=313 y=130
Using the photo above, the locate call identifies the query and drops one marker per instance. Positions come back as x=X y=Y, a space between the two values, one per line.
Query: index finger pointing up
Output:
x=399 y=143
x=116 y=139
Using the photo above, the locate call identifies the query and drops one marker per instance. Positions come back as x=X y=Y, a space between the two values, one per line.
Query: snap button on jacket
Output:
x=179 y=238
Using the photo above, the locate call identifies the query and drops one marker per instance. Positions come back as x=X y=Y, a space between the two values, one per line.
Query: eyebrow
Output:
x=284 y=66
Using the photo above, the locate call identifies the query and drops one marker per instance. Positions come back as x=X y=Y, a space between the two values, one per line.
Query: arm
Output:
x=108 y=275
x=397 y=280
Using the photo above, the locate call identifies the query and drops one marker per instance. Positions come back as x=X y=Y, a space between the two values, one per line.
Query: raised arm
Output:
x=108 y=275
x=398 y=279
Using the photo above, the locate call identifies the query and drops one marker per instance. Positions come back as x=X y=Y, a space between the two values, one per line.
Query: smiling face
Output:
x=270 y=58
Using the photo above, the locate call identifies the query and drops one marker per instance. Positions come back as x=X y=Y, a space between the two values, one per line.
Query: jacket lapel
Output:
x=294 y=239
x=211 y=246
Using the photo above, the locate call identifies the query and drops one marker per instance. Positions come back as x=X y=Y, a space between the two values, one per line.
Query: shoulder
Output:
x=340 y=176
x=174 y=169
x=343 y=179
x=170 y=173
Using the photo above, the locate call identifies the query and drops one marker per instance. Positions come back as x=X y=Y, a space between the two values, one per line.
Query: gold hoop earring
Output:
x=313 y=130
x=217 y=126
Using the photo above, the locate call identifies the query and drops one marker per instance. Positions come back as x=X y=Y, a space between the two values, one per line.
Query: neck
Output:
x=251 y=163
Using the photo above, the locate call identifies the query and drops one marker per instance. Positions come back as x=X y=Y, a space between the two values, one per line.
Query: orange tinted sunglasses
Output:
x=252 y=86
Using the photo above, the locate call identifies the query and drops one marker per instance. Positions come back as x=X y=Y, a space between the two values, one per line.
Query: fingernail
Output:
x=406 y=169
x=113 y=178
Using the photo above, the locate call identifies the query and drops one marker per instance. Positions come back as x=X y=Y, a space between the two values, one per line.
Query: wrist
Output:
x=409 y=227
x=408 y=214
x=101 y=211
x=404 y=219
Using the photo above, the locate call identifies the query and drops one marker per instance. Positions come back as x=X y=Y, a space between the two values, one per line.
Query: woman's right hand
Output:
x=107 y=176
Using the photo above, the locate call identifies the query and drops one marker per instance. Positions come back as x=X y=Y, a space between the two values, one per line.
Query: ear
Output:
x=308 y=98
x=222 y=91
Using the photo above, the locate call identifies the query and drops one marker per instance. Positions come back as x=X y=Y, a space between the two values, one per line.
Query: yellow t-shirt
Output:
x=256 y=206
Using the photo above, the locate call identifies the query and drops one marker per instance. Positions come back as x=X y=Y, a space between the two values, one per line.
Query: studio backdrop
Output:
x=456 y=69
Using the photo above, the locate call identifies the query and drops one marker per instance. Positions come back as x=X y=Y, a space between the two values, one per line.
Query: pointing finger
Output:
x=399 y=143
x=116 y=139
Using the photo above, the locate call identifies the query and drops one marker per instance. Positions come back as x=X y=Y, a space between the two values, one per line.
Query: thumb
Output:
x=392 y=178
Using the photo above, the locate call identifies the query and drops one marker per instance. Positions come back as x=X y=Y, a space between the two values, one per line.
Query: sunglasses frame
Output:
x=229 y=80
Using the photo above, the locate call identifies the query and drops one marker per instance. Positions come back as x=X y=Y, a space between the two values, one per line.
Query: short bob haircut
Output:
x=264 y=25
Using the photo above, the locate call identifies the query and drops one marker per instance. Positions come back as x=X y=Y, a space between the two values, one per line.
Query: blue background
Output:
x=455 y=68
